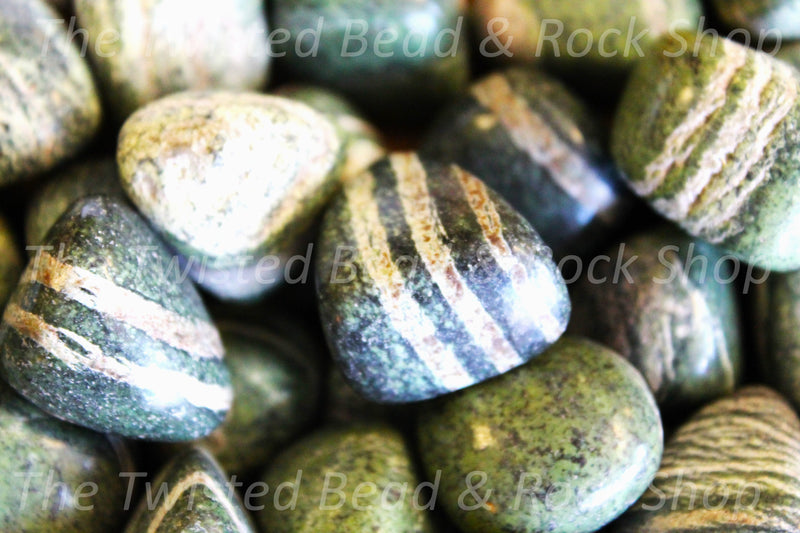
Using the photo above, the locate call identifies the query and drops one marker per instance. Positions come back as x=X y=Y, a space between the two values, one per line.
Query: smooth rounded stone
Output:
x=790 y=52
x=88 y=178
x=764 y=19
x=49 y=108
x=394 y=57
x=257 y=168
x=537 y=146
x=710 y=140
x=195 y=497
x=563 y=444
x=428 y=282
x=372 y=472
x=10 y=262
x=672 y=312
x=145 y=49
x=733 y=467
x=103 y=332
x=58 y=477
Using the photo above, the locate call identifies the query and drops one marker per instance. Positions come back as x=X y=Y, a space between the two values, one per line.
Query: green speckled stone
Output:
x=357 y=457
x=564 y=444
x=790 y=52
x=10 y=262
x=762 y=18
x=102 y=332
x=710 y=140
x=428 y=282
x=49 y=108
x=734 y=467
x=257 y=169
x=675 y=318
x=145 y=49
x=196 y=498
x=530 y=140
x=58 y=477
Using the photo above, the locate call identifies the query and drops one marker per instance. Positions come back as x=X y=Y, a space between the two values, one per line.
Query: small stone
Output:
x=373 y=470
x=563 y=444
x=10 y=263
x=197 y=497
x=145 y=49
x=672 y=312
x=258 y=170
x=49 y=108
x=707 y=131
x=428 y=282
x=734 y=466
x=764 y=19
x=537 y=146
x=103 y=332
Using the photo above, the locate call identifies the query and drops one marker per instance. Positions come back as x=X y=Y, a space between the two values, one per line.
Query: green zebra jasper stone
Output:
x=102 y=332
x=359 y=479
x=49 y=108
x=563 y=444
x=58 y=477
x=10 y=263
x=191 y=494
x=733 y=467
x=673 y=314
x=764 y=19
x=428 y=282
x=707 y=131
x=532 y=142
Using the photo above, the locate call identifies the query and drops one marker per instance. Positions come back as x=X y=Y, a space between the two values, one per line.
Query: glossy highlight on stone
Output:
x=764 y=19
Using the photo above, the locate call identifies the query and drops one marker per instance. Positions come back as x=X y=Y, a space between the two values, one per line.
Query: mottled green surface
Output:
x=675 y=318
x=197 y=498
x=371 y=467
x=10 y=262
x=48 y=105
x=563 y=444
x=734 y=467
x=57 y=477
x=765 y=19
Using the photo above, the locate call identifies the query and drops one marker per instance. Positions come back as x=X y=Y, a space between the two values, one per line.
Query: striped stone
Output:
x=10 y=262
x=766 y=20
x=535 y=144
x=709 y=139
x=734 y=466
x=429 y=282
x=102 y=331
x=191 y=493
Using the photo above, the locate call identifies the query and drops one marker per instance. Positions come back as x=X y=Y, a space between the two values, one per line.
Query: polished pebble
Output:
x=563 y=444
x=710 y=140
x=733 y=467
x=766 y=20
x=10 y=262
x=428 y=282
x=102 y=332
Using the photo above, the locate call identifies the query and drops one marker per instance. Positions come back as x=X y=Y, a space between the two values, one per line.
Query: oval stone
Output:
x=49 y=108
x=102 y=331
x=428 y=282
x=764 y=19
x=707 y=131
x=10 y=262
x=563 y=444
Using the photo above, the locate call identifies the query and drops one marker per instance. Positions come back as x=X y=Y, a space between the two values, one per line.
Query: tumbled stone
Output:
x=764 y=19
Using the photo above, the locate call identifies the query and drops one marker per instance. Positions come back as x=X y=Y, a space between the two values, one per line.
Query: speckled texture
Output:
x=566 y=443
x=710 y=140
x=536 y=145
x=373 y=454
x=144 y=49
x=10 y=262
x=101 y=331
x=676 y=319
x=44 y=460
x=48 y=104
x=766 y=19
x=196 y=499
x=741 y=455
x=428 y=282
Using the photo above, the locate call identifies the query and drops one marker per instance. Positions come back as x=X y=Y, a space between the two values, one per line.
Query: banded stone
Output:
x=707 y=132
x=371 y=467
x=49 y=108
x=10 y=263
x=191 y=493
x=536 y=145
x=428 y=282
x=672 y=313
x=103 y=332
x=563 y=444
x=764 y=19
x=257 y=168
x=734 y=466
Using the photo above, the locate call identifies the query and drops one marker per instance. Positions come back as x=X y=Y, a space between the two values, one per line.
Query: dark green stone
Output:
x=10 y=263
x=344 y=405
x=672 y=312
x=563 y=444
x=764 y=19
x=103 y=332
